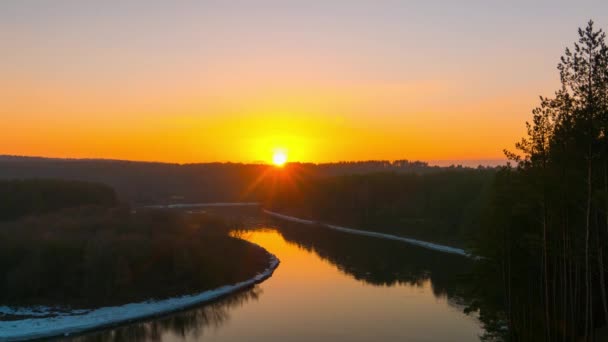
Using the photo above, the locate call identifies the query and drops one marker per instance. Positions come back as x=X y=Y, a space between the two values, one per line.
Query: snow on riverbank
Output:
x=425 y=244
x=80 y=320
x=197 y=205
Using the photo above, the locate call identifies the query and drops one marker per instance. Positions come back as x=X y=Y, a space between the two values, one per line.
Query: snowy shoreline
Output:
x=197 y=205
x=420 y=243
x=416 y=242
x=78 y=321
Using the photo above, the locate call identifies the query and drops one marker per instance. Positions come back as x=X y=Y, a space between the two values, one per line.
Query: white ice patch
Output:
x=425 y=244
x=198 y=205
x=38 y=311
x=76 y=321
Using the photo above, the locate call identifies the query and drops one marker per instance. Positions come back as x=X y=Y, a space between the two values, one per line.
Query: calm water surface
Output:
x=329 y=286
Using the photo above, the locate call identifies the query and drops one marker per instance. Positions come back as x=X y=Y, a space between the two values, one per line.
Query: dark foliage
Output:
x=545 y=239
x=21 y=197
x=441 y=206
x=91 y=256
x=146 y=183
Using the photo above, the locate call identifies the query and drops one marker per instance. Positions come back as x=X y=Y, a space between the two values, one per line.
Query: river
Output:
x=330 y=286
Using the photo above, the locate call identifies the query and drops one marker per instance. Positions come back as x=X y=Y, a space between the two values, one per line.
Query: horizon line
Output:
x=430 y=162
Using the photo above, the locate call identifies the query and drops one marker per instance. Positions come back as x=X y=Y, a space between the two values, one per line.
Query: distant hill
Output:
x=153 y=182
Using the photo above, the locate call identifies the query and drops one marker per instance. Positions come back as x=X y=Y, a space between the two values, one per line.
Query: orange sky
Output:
x=195 y=82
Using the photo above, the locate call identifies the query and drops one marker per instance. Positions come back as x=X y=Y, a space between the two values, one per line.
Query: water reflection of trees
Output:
x=381 y=262
x=191 y=323
x=388 y=263
x=373 y=261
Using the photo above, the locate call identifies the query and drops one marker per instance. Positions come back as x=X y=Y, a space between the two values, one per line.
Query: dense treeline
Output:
x=21 y=197
x=441 y=206
x=148 y=183
x=142 y=182
x=71 y=243
x=91 y=256
x=547 y=231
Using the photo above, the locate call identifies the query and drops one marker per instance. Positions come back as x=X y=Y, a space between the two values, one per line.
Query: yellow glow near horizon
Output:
x=279 y=157
x=316 y=89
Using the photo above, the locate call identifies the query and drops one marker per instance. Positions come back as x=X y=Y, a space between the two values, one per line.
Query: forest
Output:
x=21 y=197
x=76 y=247
x=141 y=183
x=443 y=206
x=545 y=237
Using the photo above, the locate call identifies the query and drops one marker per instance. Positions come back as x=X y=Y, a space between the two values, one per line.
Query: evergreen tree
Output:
x=559 y=221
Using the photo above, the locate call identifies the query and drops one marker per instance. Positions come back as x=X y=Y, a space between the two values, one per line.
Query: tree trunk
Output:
x=587 y=271
x=600 y=251
x=546 y=277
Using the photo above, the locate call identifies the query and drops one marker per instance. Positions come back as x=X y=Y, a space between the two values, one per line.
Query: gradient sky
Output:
x=187 y=81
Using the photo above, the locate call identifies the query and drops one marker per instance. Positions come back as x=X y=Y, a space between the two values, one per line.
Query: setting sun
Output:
x=279 y=158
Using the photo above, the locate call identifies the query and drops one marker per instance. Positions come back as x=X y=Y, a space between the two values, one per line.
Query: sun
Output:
x=279 y=158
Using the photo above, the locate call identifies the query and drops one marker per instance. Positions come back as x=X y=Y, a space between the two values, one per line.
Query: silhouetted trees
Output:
x=547 y=231
x=21 y=197
x=440 y=206
x=155 y=183
x=77 y=247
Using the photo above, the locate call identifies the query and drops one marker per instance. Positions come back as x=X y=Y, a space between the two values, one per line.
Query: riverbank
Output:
x=65 y=323
x=420 y=243
x=73 y=258
x=200 y=205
